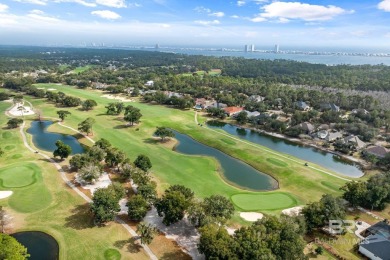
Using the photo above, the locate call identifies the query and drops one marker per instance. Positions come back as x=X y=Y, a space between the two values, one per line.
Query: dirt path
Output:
x=269 y=151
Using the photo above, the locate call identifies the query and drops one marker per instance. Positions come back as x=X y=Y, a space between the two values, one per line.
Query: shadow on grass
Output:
x=131 y=245
x=81 y=218
x=178 y=254
x=151 y=141
x=121 y=126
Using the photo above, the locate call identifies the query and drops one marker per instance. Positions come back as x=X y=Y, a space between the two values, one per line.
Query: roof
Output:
x=354 y=139
x=330 y=106
x=378 y=241
x=333 y=136
x=302 y=105
x=252 y=114
x=379 y=151
x=231 y=110
x=306 y=126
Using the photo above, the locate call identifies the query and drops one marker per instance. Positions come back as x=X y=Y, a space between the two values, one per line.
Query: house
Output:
x=230 y=111
x=202 y=103
x=376 y=245
x=149 y=83
x=256 y=98
x=330 y=106
x=170 y=94
x=306 y=127
x=360 y=110
x=333 y=136
x=323 y=127
x=355 y=140
x=252 y=114
x=301 y=105
x=218 y=105
x=378 y=151
x=98 y=85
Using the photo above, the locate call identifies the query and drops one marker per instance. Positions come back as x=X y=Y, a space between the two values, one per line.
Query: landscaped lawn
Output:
x=81 y=69
x=198 y=173
x=264 y=201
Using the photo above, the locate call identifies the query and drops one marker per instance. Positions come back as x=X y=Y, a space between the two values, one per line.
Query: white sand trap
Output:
x=5 y=194
x=40 y=88
x=182 y=232
x=51 y=89
x=295 y=211
x=119 y=98
x=20 y=110
x=230 y=230
x=124 y=208
x=251 y=216
x=102 y=182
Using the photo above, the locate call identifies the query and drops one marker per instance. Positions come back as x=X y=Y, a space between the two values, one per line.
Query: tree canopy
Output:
x=164 y=132
x=143 y=162
x=11 y=249
x=63 y=150
x=86 y=125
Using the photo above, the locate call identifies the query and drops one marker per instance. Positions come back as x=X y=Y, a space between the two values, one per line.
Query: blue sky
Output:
x=344 y=23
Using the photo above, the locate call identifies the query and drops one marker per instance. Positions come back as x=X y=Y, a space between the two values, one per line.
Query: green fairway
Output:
x=265 y=201
x=81 y=69
x=18 y=176
x=197 y=172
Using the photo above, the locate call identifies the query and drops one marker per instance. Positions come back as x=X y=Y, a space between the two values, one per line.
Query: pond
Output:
x=328 y=160
x=39 y=245
x=234 y=171
x=45 y=140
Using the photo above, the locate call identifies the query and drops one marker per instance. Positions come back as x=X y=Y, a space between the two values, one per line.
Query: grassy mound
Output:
x=264 y=201
x=112 y=254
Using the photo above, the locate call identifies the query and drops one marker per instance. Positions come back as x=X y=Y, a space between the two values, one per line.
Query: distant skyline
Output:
x=341 y=23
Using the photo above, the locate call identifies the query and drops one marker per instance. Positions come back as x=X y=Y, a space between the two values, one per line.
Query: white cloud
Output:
x=217 y=14
x=258 y=19
x=302 y=11
x=81 y=2
x=112 y=3
x=106 y=14
x=35 y=2
x=133 y=5
x=201 y=9
x=41 y=16
x=3 y=8
x=234 y=16
x=213 y=22
x=384 y=5
x=240 y=3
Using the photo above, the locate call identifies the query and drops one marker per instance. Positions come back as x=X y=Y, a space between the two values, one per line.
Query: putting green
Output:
x=112 y=254
x=9 y=147
x=277 y=162
x=16 y=156
x=264 y=201
x=7 y=135
x=18 y=176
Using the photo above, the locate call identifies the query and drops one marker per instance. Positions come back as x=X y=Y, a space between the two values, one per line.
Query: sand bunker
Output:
x=5 y=194
x=295 y=211
x=51 y=89
x=20 y=110
x=118 y=98
x=251 y=216
x=124 y=208
x=102 y=182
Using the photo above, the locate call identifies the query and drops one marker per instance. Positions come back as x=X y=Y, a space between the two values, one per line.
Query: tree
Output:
x=86 y=125
x=88 y=104
x=115 y=157
x=10 y=248
x=1 y=152
x=78 y=161
x=146 y=232
x=68 y=101
x=242 y=118
x=219 y=208
x=90 y=173
x=148 y=191
x=14 y=122
x=164 y=132
x=132 y=114
x=174 y=203
x=96 y=153
x=216 y=243
x=137 y=208
x=355 y=192
x=62 y=114
x=4 y=96
x=143 y=162
x=63 y=150
x=4 y=219
x=105 y=204
x=319 y=250
x=103 y=144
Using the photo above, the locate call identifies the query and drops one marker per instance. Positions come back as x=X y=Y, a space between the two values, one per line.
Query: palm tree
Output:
x=146 y=232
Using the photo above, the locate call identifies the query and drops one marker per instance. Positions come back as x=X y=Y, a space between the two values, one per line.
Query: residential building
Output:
x=332 y=136
x=376 y=245
x=356 y=141
x=256 y=98
x=330 y=106
x=230 y=111
x=149 y=83
x=306 y=127
x=301 y=105
x=378 y=151
x=360 y=110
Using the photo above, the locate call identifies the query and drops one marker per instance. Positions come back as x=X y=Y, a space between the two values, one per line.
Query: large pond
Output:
x=234 y=171
x=45 y=140
x=39 y=245
x=328 y=160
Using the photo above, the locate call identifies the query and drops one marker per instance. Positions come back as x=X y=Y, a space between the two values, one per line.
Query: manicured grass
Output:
x=81 y=69
x=277 y=162
x=19 y=175
x=112 y=254
x=265 y=201
x=199 y=173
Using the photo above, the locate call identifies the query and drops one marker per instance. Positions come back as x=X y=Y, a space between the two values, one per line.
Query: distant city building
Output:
x=276 y=50
x=252 y=47
x=246 y=48
x=157 y=46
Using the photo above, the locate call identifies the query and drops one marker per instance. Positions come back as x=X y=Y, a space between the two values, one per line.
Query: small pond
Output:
x=39 y=245
x=234 y=171
x=328 y=160
x=45 y=140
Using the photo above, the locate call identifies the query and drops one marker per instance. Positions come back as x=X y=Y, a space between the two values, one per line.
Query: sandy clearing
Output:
x=251 y=216
x=124 y=208
x=51 y=89
x=5 y=194
x=182 y=232
x=119 y=98
x=17 y=111
x=102 y=182
x=295 y=211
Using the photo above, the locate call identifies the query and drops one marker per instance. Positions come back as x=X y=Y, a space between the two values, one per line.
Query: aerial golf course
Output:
x=40 y=193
